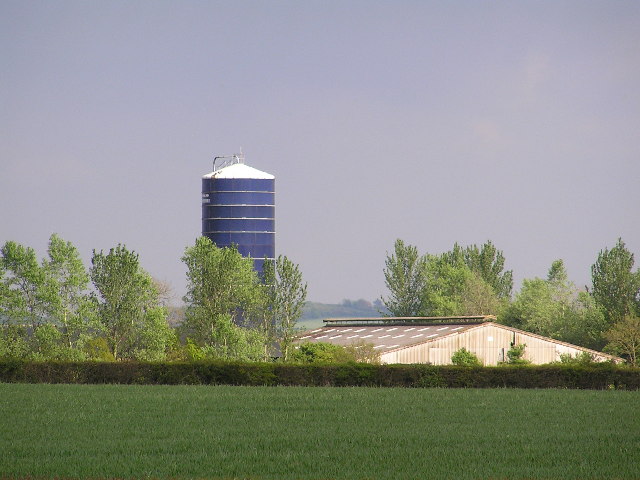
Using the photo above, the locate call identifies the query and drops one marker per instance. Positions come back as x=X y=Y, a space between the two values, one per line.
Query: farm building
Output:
x=435 y=339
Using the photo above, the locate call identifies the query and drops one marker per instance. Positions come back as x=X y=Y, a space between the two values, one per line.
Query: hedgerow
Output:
x=595 y=376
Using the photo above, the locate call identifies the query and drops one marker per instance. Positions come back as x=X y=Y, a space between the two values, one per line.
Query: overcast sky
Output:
x=434 y=122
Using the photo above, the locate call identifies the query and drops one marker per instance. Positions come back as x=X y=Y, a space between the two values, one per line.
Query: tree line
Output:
x=114 y=310
x=472 y=280
x=57 y=309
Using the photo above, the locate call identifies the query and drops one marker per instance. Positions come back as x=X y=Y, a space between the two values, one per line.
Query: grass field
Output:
x=120 y=431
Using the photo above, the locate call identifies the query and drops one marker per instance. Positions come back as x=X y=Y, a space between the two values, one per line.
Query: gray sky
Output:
x=434 y=122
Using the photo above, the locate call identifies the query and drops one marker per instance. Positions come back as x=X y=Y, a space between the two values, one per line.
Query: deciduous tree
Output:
x=624 y=338
x=25 y=298
x=223 y=290
x=446 y=279
x=133 y=322
x=67 y=281
x=616 y=287
x=488 y=262
x=554 y=308
x=285 y=297
x=404 y=275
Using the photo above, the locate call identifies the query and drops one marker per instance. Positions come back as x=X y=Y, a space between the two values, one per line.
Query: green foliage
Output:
x=583 y=358
x=462 y=281
x=231 y=342
x=153 y=335
x=129 y=313
x=320 y=352
x=285 y=298
x=66 y=281
x=49 y=298
x=446 y=279
x=24 y=290
x=616 y=287
x=533 y=308
x=363 y=352
x=516 y=353
x=320 y=369
x=554 y=308
x=404 y=275
x=13 y=342
x=465 y=358
x=193 y=351
x=624 y=338
x=488 y=262
x=221 y=285
x=97 y=349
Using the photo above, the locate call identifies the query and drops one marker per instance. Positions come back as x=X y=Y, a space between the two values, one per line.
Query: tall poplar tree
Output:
x=67 y=281
x=616 y=287
x=285 y=296
x=405 y=278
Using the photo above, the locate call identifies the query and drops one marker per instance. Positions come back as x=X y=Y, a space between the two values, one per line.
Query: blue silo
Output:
x=238 y=208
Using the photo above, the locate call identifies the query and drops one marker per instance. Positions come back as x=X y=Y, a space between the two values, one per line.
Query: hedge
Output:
x=597 y=376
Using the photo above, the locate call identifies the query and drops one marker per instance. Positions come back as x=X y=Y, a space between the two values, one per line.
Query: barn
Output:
x=435 y=339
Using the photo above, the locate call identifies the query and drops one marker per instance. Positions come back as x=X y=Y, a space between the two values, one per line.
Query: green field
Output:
x=294 y=432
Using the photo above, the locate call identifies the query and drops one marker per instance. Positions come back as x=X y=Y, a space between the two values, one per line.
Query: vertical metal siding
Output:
x=488 y=342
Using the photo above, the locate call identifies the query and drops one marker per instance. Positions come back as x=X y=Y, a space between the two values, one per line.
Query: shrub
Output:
x=97 y=349
x=13 y=342
x=320 y=353
x=363 y=352
x=582 y=358
x=465 y=358
x=515 y=354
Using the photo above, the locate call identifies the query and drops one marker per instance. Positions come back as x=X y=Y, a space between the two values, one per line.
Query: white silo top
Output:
x=239 y=170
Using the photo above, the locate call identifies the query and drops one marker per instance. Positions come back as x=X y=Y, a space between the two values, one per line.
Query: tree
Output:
x=616 y=288
x=446 y=278
x=462 y=281
x=4 y=294
x=554 y=308
x=24 y=290
x=404 y=275
x=453 y=288
x=285 y=297
x=624 y=338
x=533 y=309
x=223 y=290
x=478 y=297
x=67 y=281
x=132 y=320
x=488 y=262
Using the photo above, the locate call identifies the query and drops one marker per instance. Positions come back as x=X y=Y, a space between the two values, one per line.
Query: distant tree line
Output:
x=472 y=281
x=345 y=309
x=57 y=309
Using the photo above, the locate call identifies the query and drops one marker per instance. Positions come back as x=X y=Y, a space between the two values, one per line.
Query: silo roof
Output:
x=239 y=170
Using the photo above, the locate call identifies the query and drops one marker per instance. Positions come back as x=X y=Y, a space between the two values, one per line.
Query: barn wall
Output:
x=489 y=342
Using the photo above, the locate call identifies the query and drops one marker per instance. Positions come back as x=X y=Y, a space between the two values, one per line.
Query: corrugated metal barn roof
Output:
x=382 y=337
